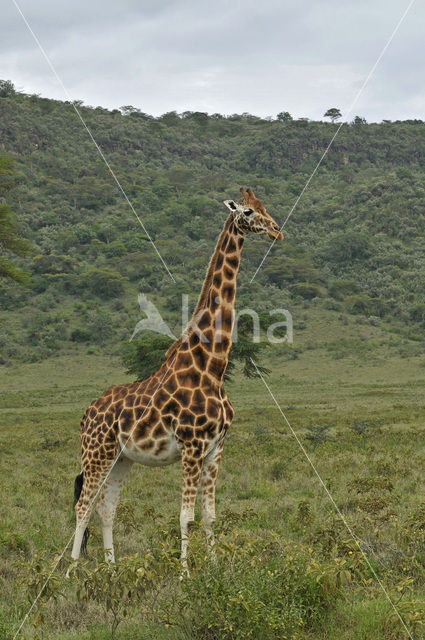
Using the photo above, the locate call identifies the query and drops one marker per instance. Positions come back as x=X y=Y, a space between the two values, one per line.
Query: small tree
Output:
x=7 y=90
x=318 y=434
x=128 y=109
x=103 y=281
x=333 y=114
x=144 y=355
x=284 y=116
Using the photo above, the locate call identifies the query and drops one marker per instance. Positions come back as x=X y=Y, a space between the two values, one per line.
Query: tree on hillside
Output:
x=284 y=116
x=359 y=120
x=333 y=114
x=10 y=241
x=128 y=109
x=7 y=90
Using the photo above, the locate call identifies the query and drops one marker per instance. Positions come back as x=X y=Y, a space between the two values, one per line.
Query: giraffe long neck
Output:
x=208 y=337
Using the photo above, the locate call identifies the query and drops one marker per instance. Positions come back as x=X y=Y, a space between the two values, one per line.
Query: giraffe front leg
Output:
x=208 y=482
x=191 y=467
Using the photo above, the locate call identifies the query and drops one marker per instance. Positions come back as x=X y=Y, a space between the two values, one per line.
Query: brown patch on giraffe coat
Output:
x=161 y=446
x=189 y=378
x=130 y=400
x=140 y=431
x=183 y=361
x=148 y=444
x=231 y=247
x=170 y=384
x=193 y=339
x=126 y=419
x=227 y=320
x=217 y=280
x=158 y=431
x=187 y=417
x=208 y=335
x=200 y=357
x=183 y=397
x=228 y=273
x=172 y=407
x=204 y=321
x=219 y=261
x=160 y=398
x=228 y=292
x=231 y=261
x=198 y=402
x=217 y=366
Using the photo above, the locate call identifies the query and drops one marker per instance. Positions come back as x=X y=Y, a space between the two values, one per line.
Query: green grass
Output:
x=265 y=486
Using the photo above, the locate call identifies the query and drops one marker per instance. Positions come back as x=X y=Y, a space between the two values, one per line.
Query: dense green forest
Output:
x=354 y=243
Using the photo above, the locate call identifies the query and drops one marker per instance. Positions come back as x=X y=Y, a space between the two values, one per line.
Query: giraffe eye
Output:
x=248 y=212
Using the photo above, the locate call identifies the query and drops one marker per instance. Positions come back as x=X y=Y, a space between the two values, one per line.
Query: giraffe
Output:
x=179 y=412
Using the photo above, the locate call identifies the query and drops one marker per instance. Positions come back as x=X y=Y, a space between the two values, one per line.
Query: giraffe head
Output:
x=250 y=216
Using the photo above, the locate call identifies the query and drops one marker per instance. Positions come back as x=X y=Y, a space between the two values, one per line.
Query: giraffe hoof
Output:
x=184 y=573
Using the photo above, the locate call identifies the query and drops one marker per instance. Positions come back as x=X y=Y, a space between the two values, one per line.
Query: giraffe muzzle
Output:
x=275 y=233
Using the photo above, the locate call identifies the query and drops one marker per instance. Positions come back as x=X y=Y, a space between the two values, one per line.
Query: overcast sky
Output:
x=301 y=56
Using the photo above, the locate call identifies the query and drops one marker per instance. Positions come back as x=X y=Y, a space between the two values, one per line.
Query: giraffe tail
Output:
x=78 y=487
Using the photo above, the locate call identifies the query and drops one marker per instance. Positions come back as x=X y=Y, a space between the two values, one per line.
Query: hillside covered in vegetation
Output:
x=354 y=243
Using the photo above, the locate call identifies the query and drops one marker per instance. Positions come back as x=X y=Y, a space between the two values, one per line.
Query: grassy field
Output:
x=355 y=397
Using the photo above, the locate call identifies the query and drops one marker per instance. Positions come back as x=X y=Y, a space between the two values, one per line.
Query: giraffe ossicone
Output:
x=179 y=412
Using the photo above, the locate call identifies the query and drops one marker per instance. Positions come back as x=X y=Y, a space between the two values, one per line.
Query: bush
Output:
x=306 y=290
x=103 y=282
x=339 y=289
x=80 y=335
x=258 y=588
x=347 y=246
x=362 y=303
x=53 y=264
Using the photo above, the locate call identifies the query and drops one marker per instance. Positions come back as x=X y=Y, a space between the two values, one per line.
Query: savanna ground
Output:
x=287 y=566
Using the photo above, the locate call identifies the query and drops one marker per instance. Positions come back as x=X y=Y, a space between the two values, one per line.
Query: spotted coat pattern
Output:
x=180 y=412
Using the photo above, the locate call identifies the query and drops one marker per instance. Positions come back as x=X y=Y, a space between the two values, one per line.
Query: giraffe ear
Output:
x=230 y=204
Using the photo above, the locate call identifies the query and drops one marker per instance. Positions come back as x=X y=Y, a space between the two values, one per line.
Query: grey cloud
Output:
x=221 y=57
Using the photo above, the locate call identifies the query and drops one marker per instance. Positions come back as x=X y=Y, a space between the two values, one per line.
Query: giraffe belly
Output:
x=159 y=455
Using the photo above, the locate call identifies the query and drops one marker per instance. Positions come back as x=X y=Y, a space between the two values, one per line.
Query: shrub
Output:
x=361 y=427
x=347 y=246
x=339 y=289
x=318 y=434
x=259 y=588
x=362 y=303
x=306 y=290
x=103 y=282
x=80 y=335
x=53 y=264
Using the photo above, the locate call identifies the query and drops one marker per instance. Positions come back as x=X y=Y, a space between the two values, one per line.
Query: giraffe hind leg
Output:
x=78 y=486
x=92 y=478
x=108 y=501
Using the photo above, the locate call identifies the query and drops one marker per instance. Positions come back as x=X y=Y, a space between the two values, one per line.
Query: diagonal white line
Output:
x=351 y=107
x=83 y=122
x=337 y=509
x=91 y=504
